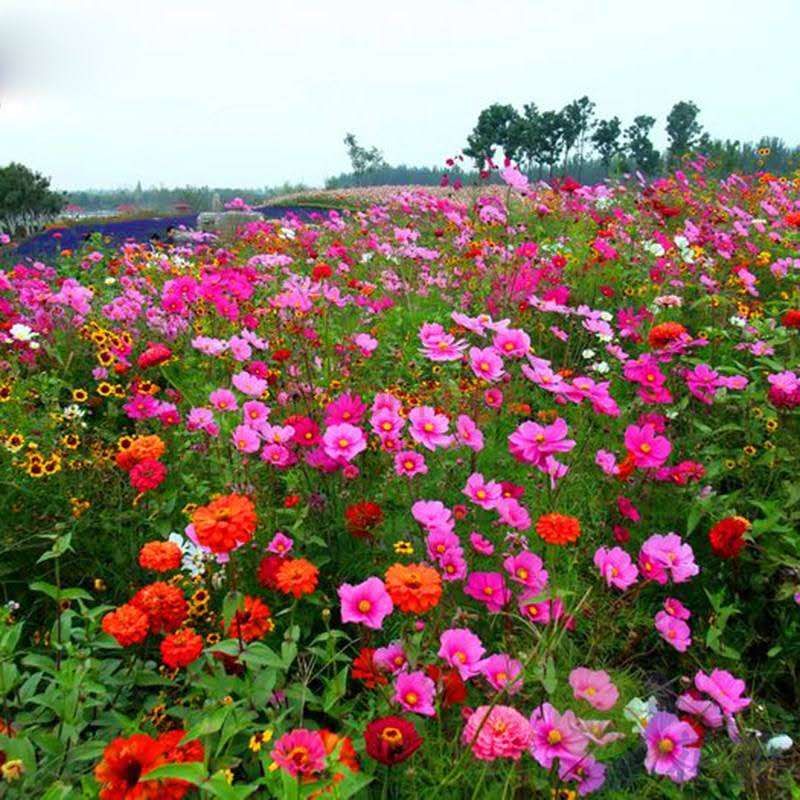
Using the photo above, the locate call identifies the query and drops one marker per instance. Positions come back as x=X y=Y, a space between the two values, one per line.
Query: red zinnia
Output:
x=160 y=556
x=225 y=523
x=791 y=319
x=727 y=536
x=391 y=740
x=364 y=669
x=164 y=605
x=181 y=648
x=268 y=571
x=558 y=529
x=251 y=622
x=148 y=474
x=128 y=625
x=665 y=333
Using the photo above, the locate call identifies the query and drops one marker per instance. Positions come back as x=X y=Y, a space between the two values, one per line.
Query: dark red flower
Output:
x=361 y=519
x=727 y=536
x=391 y=740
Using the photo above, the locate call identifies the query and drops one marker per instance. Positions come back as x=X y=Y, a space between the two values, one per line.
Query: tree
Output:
x=363 y=160
x=550 y=138
x=524 y=135
x=577 y=122
x=683 y=129
x=498 y=126
x=640 y=148
x=26 y=200
x=606 y=138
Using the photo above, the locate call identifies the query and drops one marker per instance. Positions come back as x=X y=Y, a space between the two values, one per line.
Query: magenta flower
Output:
x=513 y=514
x=674 y=631
x=495 y=732
x=502 y=672
x=433 y=515
x=255 y=412
x=648 y=450
x=593 y=686
x=461 y=649
x=512 y=342
x=670 y=749
x=409 y=463
x=429 y=428
x=531 y=442
x=223 y=400
x=589 y=773
x=415 y=692
x=280 y=544
x=482 y=492
x=367 y=603
x=486 y=364
x=676 y=609
x=528 y=569
x=343 y=442
x=453 y=565
x=391 y=658
x=555 y=736
x=245 y=439
x=616 y=567
x=724 y=688
x=480 y=544
x=468 y=433
x=707 y=710
x=673 y=554
x=347 y=408
x=304 y=741
x=488 y=588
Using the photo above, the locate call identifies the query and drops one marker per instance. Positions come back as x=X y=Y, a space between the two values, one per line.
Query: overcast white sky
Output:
x=102 y=93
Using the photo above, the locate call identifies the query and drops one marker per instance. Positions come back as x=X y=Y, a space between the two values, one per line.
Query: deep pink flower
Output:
x=593 y=686
x=486 y=364
x=670 y=749
x=409 y=463
x=482 y=492
x=488 y=588
x=429 y=428
x=344 y=442
x=648 y=450
x=300 y=752
x=555 y=736
x=415 y=692
x=723 y=687
x=367 y=603
x=461 y=649
x=674 y=631
x=502 y=672
x=616 y=567
x=528 y=569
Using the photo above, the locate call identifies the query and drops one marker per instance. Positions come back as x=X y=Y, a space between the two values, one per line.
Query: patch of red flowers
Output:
x=361 y=519
x=391 y=740
x=364 y=669
x=727 y=536
x=122 y=773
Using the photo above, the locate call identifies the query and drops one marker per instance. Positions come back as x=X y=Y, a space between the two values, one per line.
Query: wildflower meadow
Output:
x=479 y=494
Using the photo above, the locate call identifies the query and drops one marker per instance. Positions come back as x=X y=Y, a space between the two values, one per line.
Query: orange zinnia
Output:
x=415 y=588
x=160 y=556
x=147 y=447
x=225 y=523
x=297 y=576
x=558 y=528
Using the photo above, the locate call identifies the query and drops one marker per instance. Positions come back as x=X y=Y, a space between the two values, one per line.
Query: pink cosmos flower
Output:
x=433 y=515
x=589 y=773
x=512 y=343
x=528 y=569
x=365 y=343
x=707 y=710
x=607 y=462
x=429 y=428
x=346 y=408
x=724 y=688
x=391 y=658
x=513 y=513
x=670 y=748
x=493 y=398
x=280 y=544
x=674 y=555
x=648 y=449
x=674 y=631
x=367 y=603
x=627 y=509
x=343 y=442
x=245 y=439
x=676 y=609
x=480 y=544
x=616 y=567
x=249 y=384
x=488 y=588
x=593 y=686
x=300 y=740
x=555 y=736
x=461 y=649
x=453 y=565
x=409 y=463
x=483 y=493
x=531 y=442
x=468 y=433
x=486 y=364
x=141 y=406
x=254 y=412
x=277 y=434
x=415 y=692
x=278 y=455
x=386 y=423
x=495 y=732
x=223 y=400
x=502 y=672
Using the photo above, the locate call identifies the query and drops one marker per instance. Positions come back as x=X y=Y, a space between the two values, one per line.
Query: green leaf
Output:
x=209 y=723
x=217 y=786
x=193 y=771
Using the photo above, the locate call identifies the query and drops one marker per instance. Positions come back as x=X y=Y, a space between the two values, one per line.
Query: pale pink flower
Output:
x=409 y=463
x=674 y=631
x=468 y=433
x=245 y=439
x=495 y=732
x=502 y=672
x=429 y=428
x=528 y=569
x=595 y=687
x=344 y=442
x=723 y=687
x=461 y=649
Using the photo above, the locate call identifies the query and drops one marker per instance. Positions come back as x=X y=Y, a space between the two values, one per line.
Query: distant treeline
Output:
x=191 y=198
